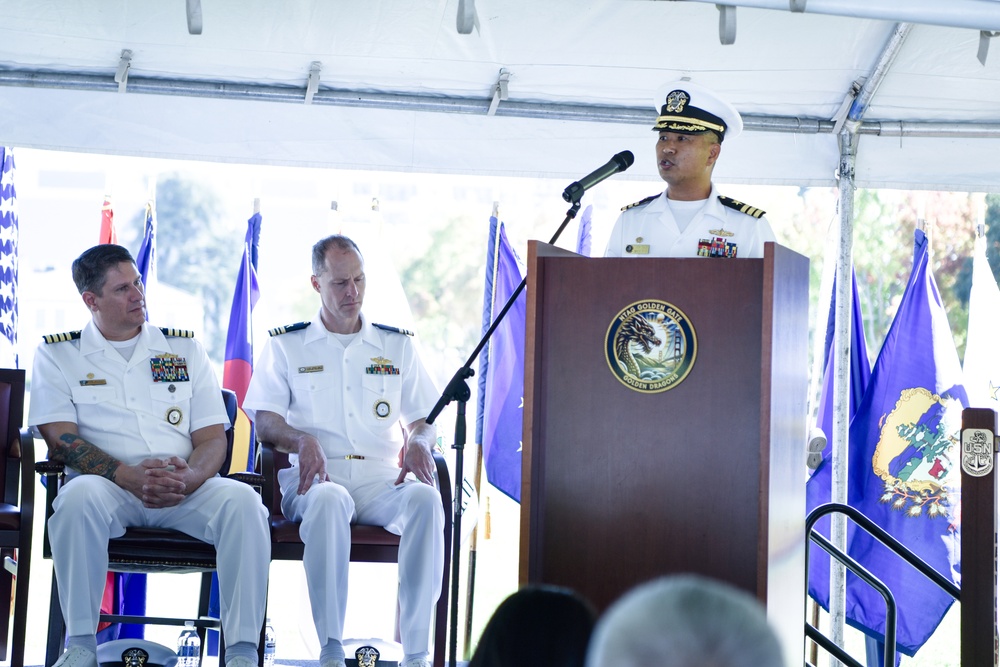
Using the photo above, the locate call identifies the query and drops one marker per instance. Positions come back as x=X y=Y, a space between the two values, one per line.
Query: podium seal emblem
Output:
x=977 y=451
x=651 y=346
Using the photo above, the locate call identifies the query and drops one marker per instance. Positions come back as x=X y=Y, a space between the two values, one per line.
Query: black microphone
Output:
x=619 y=162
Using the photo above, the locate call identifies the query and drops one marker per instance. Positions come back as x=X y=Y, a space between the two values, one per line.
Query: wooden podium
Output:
x=708 y=475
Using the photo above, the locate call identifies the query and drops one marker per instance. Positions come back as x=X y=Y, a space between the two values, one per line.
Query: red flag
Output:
x=108 y=233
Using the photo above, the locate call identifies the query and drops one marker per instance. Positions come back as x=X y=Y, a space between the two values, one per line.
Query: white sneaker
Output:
x=77 y=657
x=240 y=661
x=416 y=662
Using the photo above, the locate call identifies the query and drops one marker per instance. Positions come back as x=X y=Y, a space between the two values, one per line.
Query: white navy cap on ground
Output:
x=689 y=108
x=116 y=654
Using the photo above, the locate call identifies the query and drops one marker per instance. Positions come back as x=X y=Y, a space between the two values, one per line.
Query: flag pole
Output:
x=458 y=390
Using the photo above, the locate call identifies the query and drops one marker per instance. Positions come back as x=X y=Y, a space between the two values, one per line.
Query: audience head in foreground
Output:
x=537 y=625
x=685 y=621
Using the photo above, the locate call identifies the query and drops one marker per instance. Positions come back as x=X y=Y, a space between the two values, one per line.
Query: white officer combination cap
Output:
x=135 y=653
x=687 y=108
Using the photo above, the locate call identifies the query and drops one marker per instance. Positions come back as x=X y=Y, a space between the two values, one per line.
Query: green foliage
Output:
x=444 y=287
x=198 y=249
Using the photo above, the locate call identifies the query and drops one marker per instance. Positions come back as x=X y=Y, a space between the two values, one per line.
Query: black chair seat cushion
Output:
x=159 y=550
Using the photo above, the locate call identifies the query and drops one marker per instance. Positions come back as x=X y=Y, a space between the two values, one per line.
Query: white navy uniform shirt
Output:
x=350 y=398
x=118 y=405
x=652 y=231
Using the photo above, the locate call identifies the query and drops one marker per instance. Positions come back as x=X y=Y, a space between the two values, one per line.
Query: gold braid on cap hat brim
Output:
x=694 y=124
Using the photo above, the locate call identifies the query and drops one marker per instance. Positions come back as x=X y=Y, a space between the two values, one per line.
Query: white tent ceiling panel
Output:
x=600 y=59
x=348 y=138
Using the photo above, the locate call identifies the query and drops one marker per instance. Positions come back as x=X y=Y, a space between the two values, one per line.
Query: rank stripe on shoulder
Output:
x=386 y=327
x=752 y=211
x=641 y=202
x=61 y=337
x=298 y=326
x=177 y=333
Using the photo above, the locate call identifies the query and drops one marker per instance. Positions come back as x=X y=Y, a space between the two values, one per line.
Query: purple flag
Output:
x=504 y=390
x=8 y=260
x=902 y=471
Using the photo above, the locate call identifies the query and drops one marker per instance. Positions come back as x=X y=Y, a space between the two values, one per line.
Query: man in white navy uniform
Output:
x=136 y=414
x=343 y=397
x=690 y=218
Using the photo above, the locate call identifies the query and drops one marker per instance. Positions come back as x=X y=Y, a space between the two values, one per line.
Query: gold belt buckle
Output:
x=354 y=457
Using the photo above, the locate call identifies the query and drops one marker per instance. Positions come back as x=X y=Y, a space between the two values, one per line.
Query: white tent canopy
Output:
x=398 y=88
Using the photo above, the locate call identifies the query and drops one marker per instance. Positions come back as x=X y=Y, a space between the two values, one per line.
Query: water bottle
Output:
x=189 y=646
x=268 y=644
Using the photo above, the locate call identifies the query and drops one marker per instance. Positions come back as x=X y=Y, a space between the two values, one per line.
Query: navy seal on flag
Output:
x=651 y=346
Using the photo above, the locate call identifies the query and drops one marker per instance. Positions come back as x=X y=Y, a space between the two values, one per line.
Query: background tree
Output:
x=198 y=249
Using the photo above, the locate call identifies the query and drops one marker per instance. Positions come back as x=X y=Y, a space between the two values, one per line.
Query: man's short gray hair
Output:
x=323 y=246
x=685 y=621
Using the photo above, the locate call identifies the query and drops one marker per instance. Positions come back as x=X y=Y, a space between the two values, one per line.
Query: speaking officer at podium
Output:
x=690 y=218
x=136 y=414
x=343 y=396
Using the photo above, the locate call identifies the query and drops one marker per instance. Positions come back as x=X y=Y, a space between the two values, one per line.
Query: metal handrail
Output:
x=895 y=546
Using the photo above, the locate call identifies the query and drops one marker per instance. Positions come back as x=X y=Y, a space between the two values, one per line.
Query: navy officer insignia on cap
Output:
x=752 y=211
x=277 y=331
x=386 y=327
x=691 y=109
x=61 y=337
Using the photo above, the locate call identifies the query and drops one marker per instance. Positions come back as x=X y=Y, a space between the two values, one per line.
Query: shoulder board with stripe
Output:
x=386 y=327
x=177 y=333
x=641 y=202
x=61 y=337
x=298 y=326
x=752 y=211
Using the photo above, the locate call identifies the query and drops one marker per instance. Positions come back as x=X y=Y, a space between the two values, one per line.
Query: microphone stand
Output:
x=458 y=390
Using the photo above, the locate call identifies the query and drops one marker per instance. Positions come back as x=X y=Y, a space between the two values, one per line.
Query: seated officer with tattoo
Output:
x=136 y=414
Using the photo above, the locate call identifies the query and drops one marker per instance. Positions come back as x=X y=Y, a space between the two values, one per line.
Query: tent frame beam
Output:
x=468 y=105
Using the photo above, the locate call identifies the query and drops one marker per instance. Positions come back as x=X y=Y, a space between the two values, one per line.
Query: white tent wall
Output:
x=562 y=56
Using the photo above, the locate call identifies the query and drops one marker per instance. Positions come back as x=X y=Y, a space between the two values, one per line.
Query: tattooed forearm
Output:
x=84 y=456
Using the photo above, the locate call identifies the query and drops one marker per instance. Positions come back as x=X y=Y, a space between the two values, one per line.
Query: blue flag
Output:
x=583 y=235
x=860 y=372
x=145 y=259
x=902 y=471
x=8 y=260
x=504 y=387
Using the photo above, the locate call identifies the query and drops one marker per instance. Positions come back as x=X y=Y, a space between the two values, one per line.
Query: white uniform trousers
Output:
x=91 y=509
x=364 y=493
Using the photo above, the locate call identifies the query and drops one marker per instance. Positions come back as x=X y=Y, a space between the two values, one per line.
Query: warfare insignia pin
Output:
x=174 y=416
x=382 y=409
x=651 y=346
x=367 y=656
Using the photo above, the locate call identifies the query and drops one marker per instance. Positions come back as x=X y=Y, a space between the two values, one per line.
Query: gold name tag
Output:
x=92 y=383
x=637 y=249
x=310 y=369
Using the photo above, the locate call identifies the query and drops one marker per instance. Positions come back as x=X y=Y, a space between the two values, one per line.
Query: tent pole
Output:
x=842 y=379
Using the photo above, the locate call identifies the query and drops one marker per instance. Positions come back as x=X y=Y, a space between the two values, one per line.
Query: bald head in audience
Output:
x=685 y=621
